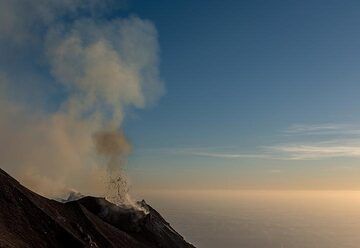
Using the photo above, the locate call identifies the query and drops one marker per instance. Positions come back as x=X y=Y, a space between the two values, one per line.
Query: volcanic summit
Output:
x=30 y=220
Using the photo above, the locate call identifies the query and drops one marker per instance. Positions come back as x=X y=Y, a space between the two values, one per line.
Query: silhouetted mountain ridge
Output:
x=30 y=220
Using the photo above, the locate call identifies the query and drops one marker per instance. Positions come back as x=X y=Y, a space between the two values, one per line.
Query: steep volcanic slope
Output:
x=30 y=220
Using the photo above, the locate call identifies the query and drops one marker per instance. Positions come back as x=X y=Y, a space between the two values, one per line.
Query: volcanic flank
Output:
x=30 y=220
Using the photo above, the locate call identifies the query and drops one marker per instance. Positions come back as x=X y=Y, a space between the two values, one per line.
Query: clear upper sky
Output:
x=247 y=81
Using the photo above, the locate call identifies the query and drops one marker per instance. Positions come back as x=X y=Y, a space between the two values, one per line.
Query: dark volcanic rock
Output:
x=30 y=220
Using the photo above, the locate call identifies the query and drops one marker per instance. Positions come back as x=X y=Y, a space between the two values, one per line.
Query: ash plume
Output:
x=97 y=67
x=113 y=145
x=115 y=148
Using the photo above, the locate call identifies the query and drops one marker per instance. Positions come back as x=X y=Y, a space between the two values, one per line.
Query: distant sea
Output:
x=262 y=219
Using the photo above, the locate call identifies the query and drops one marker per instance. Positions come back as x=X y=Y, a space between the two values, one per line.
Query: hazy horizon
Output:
x=296 y=219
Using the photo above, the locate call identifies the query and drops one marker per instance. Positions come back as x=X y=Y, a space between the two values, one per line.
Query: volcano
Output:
x=30 y=220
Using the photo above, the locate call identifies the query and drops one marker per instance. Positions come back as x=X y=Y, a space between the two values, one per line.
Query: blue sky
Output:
x=240 y=70
x=239 y=74
x=258 y=94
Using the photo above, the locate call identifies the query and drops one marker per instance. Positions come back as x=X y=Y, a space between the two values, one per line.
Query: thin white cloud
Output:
x=307 y=142
x=323 y=129
x=299 y=150
x=288 y=151
x=324 y=143
x=317 y=150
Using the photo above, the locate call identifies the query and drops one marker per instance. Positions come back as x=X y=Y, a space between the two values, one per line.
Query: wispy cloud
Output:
x=317 y=150
x=305 y=142
x=323 y=129
x=319 y=141
x=296 y=151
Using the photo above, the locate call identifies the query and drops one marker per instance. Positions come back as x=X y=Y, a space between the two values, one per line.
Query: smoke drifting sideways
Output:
x=96 y=67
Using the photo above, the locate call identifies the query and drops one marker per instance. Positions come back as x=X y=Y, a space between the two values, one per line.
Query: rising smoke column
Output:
x=104 y=65
x=114 y=146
